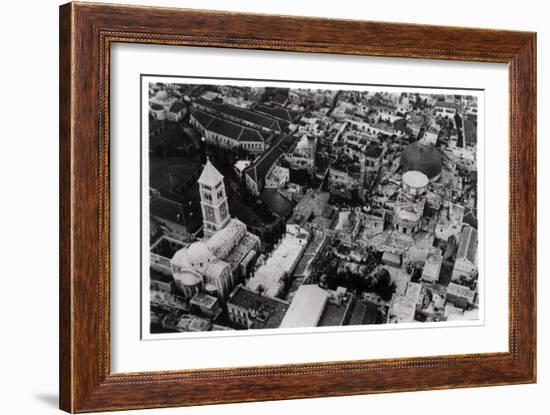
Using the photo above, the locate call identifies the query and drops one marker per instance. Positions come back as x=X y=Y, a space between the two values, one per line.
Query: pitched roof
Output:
x=227 y=128
x=210 y=176
x=243 y=114
x=470 y=217
x=306 y=307
x=286 y=141
x=248 y=134
x=202 y=118
x=467 y=248
x=261 y=166
x=277 y=112
x=223 y=127
x=177 y=107
x=279 y=99
x=277 y=202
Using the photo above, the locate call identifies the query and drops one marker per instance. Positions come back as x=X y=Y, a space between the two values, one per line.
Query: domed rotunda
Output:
x=415 y=182
x=189 y=265
x=424 y=158
x=199 y=256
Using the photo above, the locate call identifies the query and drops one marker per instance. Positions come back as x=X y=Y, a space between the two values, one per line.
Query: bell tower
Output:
x=214 y=207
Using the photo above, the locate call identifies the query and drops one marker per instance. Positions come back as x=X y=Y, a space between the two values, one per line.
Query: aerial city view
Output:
x=285 y=207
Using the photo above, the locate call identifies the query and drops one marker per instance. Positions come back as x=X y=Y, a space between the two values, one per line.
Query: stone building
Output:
x=214 y=264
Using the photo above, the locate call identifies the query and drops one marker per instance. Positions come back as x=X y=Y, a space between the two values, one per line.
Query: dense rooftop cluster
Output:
x=290 y=207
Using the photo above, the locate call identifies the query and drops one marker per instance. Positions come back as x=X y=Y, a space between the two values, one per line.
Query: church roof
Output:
x=189 y=276
x=198 y=252
x=215 y=268
x=242 y=114
x=220 y=240
x=180 y=258
x=210 y=176
x=424 y=158
x=277 y=112
x=227 y=128
x=248 y=134
x=263 y=164
x=415 y=179
x=277 y=202
x=203 y=118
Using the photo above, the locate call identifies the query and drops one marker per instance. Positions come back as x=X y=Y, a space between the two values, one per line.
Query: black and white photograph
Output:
x=288 y=205
x=275 y=207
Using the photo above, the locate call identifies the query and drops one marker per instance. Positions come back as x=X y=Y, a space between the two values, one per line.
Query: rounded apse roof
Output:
x=187 y=278
x=424 y=158
x=185 y=272
x=415 y=179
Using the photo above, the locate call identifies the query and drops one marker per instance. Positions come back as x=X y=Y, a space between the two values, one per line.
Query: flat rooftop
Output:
x=286 y=254
x=203 y=300
x=269 y=311
x=306 y=307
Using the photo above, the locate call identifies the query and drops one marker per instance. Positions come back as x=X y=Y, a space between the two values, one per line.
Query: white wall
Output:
x=28 y=219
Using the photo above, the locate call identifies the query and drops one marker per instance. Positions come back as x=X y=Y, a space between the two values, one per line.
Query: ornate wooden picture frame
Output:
x=87 y=32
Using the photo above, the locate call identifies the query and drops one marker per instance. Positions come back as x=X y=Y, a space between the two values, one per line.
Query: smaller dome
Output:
x=415 y=179
x=162 y=95
x=199 y=255
x=422 y=157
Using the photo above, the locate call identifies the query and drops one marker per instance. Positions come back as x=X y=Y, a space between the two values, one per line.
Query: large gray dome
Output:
x=421 y=157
